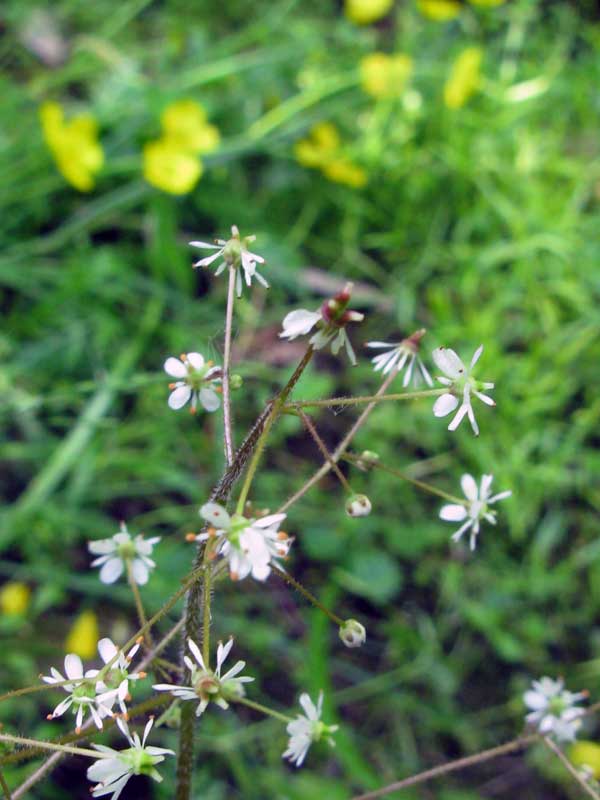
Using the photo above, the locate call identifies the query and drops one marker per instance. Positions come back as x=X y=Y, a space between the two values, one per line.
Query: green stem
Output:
x=143 y=620
x=31 y=689
x=269 y=712
x=310 y=597
x=227 y=424
x=206 y=589
x=371 y=398
x=276 y=407
x=354 y=459
x=63 y=748
x=311 y=428
x=4 y=786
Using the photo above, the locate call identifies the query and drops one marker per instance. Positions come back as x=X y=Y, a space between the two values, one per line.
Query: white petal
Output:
x=309 y=707
x=195 y=650
x=101 y=546
x=140 y=572
x=453 y=513
x=448 y=362
x=469 y=487
x=179 y=397
x=208 y=260
x=111 y=571
x=485 y=398
x=107 y=650
x=175 y=368
x=216 y=515
x=196 y=360
x=270 y=519
x=299 y=322
x=205 y=245
x=209 y=399
x=476 y=355
x=223 y=651
x=500 y=496
x=535 y=700
x=458 y=417
x=444 y=405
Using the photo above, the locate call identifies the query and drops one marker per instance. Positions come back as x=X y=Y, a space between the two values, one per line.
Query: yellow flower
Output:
x=583 y=752
x=441 y=10
x=321 y=145
x=486 y=3
x=385 y=76
x=14 y=598
x=341 y=170
x=83 y=636
x=74 y=145
x=363 y=12
x=171 y=168
x=464 y=77
x=184 y=122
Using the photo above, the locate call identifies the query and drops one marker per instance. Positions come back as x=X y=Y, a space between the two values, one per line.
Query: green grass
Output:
x=480 y=224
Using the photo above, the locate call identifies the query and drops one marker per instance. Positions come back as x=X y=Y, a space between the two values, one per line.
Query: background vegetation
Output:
x=479 y=223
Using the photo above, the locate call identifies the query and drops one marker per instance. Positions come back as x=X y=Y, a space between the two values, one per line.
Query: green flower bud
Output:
x=358 y=505
x=236 y=381
x=352 y=633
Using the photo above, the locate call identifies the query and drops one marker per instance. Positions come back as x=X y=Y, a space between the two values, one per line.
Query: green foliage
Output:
x=478 y=223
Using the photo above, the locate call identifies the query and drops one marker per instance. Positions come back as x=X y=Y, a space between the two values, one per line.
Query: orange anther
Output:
x=190 y=537
x=183 y=356
x=212 y=532
x=142 y=675
x=139 y=640
x=192 y=410
x=172 y=385
x=282 y=535
x=234 y=576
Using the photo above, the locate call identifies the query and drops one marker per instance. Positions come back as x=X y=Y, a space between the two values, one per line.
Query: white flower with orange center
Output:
x=197 y=380
x=83 y=697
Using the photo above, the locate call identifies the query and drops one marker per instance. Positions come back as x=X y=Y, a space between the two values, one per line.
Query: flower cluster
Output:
x=330 y=320
x=74 y=145
x=323 y=149
x=116 y=553
x=95 y=692
x=385 y=76
x=249 y=545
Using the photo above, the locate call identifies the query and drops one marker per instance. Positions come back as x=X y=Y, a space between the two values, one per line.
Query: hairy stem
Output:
x=62 y=748
x=369 y=398
x=305 y=593
x=227 y=424
x=311 y=428
x=452 y=766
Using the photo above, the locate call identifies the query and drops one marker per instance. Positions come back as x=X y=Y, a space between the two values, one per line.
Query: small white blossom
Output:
x=401 y=354
x=352 y=633
x=306 y=729
x=196 y=379
x=114 y=768
x=461 y=384
x=114 y=553
x=475 y=509
x=235 y=254
x=82 y=693
x=114 y=685
x=553 y=709
x=250 y=545
x=208 y=686
x=331 y=321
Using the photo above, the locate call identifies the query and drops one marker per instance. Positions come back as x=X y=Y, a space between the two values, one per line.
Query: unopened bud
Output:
x=236 y=381
x=352 y=633
x=358 y=505
x=367 y=459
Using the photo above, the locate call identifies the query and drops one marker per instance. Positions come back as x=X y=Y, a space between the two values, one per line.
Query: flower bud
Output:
x=367 y=459
x=236 y=381
x=352 y=633
x=358 y=505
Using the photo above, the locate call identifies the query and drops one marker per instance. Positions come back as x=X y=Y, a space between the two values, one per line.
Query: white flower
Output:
x=114 y=554
x=235 y=254
x=461 y=384
x=331 y=320
x=250 y=545
x=112 y=771
x=195 y=380
x=207 y=685
x=553 y=709
x=82 y=693
x=114 y=685
x=475 y=509
x=401 y=354
x=352 y=633
x=306 y=729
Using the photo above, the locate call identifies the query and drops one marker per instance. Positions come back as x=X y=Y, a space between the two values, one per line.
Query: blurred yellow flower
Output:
x=385 y=76
x=83 y=636
x=171 y=168
x=341 y=170
x=184 y=123
x=464 y=78
x=363 y=12
x=487 y=3
x=581 y=753
x=321 y=145
x=322 y=150
x=440 y=10
x=14 y=598
x=74 y=145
